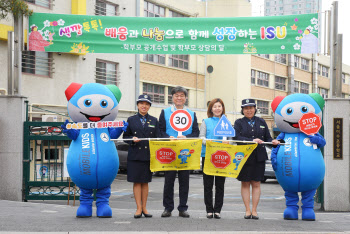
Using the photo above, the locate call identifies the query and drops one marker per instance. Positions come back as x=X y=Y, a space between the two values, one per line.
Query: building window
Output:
x=281 y=8
x=296 y=61
x=343 y=78
x=153 y=10
x=175 y=14
x=308 y=11
x=323 y=92
x=170 y=97
x=106 y=8
x=304 y=64
x=267 y=4
x=281 y=58
x=319 y=69
x=281 y=1
x=308 y=5
x=325 y=71
x=263 y=107
x=156 y=58
x=263 y=79
x=343 y=95
x=156 y=92
x=178 y=60
x=280 y=83
x=295 y=6
x=252 y=76
x=43 y=3
x=106 y=73
x=296 y=86
x=267 y=56
x=37 y=62
x=304 y=88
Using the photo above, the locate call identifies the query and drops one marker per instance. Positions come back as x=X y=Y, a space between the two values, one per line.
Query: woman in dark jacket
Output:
x=252 y=128
x=141 y=125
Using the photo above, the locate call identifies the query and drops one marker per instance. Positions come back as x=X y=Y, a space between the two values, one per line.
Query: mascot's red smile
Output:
x=94 y=118
x=294 y=125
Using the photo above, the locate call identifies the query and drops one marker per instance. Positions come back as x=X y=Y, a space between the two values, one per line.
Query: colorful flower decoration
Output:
x=316 y=27
x=283 y=47
x=47 y=33
x=314 y=20
x=79 y=48
x=296 y=20
x=296 y=46
x=300 y=31
x=46 y=23
x=297 y=38
x=60 y=22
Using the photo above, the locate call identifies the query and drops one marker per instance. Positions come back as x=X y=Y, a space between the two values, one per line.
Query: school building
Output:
x=45 y=76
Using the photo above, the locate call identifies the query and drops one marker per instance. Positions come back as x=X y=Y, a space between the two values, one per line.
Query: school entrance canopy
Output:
x=292 y=34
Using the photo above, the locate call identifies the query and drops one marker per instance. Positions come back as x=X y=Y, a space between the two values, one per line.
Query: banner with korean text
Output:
x=226 y=160
x=175 y=155
x=290 y=34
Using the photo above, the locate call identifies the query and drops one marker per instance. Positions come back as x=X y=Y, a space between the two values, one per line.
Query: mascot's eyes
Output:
x=289 y=111
x=104 y=103
x=304 y=109
x=87 y=102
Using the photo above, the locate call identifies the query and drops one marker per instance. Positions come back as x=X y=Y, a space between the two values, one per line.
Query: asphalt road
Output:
x=57 y=216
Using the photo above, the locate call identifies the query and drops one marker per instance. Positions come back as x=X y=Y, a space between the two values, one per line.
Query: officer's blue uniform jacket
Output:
x=245 y=132
x=140 y=150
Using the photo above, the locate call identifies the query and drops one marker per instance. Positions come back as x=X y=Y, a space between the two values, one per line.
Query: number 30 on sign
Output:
x=180 y=121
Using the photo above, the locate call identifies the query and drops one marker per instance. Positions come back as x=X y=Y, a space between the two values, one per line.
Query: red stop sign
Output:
x=220 y=159
x=310 y=123
x=165 y=155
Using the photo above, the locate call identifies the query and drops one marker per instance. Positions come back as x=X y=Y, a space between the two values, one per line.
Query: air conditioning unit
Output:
x=49 y=118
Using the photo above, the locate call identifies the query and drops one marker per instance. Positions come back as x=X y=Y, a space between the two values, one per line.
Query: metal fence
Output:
x=44 y=152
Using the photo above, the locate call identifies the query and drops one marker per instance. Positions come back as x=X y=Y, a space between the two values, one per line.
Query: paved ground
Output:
x=57 y=216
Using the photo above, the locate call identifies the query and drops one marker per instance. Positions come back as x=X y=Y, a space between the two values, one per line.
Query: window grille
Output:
x=37 y=62
x=106 y=8
x=179 y=60
x=106 y=73
x=156 y=92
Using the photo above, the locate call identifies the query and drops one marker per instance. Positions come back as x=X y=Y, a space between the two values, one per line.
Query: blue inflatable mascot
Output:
x=92 y=160
x=299 y=167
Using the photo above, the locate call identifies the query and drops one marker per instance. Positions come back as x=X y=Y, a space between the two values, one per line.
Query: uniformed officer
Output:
x=252 y=128
x=141 y=125
x=179 y=96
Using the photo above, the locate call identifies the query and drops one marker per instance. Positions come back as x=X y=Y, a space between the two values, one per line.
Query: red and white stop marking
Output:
x=180 y=121
x=310 y=123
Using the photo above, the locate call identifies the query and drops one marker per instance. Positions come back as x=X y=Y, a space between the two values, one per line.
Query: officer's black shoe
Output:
x=166 y=214
x=184 y=214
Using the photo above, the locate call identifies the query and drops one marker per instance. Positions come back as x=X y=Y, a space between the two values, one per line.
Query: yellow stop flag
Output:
x=226 y=160
x=175 y=155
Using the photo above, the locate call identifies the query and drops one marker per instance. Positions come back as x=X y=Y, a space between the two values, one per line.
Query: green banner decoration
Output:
x=291 y=34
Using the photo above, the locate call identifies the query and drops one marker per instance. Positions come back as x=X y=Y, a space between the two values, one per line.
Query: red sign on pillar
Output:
x=310 y=123
x=165 y=155
x=220 y=159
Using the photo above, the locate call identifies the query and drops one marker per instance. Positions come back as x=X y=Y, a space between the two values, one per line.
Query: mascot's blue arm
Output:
x=71 y=133
x=115 y=133
x=275 y=150
x=318 y=140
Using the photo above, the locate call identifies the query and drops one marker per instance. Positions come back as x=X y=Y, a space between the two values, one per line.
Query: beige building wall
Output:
x=202 y=86
x=68 y=68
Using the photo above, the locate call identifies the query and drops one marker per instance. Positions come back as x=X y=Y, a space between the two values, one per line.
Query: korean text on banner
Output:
x=175 y=155
x=226 y=160
x=286 y=34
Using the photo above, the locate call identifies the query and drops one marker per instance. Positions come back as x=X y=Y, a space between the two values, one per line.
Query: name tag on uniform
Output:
x=151 y=126
x=262 y=126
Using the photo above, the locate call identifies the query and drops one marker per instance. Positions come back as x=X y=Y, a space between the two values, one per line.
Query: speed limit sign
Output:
x=180 y=120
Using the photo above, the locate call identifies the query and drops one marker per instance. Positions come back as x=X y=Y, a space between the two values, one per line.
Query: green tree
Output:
x=15 y=7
